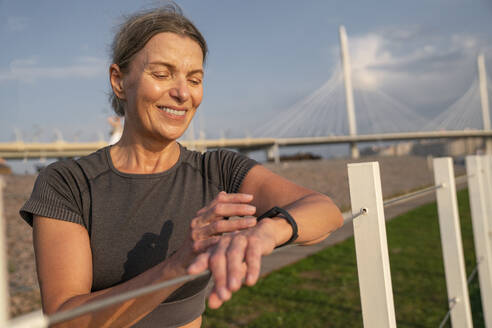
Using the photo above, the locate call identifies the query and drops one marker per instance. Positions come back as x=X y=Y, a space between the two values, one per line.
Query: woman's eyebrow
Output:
x=196 y=71
x=173 y=67
x=162 y=63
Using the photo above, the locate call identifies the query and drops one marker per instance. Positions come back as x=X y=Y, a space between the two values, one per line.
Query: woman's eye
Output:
x=160 y=75
x=195 y=81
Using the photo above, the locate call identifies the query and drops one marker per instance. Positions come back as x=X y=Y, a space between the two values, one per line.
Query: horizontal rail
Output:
x=383 y=137
x=20 y=149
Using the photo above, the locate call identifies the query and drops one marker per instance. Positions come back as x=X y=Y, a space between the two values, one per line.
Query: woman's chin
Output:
x=170 y=136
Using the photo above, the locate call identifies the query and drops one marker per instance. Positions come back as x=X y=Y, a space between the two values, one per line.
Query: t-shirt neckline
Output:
x=144 y=175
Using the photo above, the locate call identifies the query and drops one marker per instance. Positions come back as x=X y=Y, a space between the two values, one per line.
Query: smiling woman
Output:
x=161 y=92
x=146 y=209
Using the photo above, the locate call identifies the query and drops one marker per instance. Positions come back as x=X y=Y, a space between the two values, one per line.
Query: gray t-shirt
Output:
x=135 y=221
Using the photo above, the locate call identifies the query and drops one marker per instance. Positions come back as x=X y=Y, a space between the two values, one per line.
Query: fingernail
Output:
x=224 y=295
x=233 y=282
x=251 y=208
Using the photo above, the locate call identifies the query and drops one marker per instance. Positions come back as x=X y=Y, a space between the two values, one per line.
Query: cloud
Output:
x=17 y=23
x=421 y=66
x=28 y=70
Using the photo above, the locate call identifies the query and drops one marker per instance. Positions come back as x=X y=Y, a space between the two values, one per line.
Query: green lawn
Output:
x=322 y=290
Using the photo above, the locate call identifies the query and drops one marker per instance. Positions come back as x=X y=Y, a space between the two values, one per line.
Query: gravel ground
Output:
x=398 y=174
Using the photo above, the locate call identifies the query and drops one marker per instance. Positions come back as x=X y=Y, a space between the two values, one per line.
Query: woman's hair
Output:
x=139 y=28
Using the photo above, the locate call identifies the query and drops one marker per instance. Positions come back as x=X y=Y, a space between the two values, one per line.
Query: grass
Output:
x=322 y=290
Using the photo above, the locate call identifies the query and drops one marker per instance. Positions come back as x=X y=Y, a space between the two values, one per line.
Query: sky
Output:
x=264 y=56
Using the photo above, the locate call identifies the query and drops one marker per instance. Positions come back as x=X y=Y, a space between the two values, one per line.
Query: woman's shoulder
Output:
x=226 y=168
x=89 y=166
x=61 y=190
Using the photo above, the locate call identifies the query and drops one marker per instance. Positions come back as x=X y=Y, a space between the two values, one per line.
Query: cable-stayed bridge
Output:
x=323 y=113
x=319 y=118
x=337 y=112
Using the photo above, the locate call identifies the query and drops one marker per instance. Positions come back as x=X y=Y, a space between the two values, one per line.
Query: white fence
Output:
x=371 y=248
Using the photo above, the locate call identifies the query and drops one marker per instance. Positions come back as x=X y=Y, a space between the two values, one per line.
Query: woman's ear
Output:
x=116 y=80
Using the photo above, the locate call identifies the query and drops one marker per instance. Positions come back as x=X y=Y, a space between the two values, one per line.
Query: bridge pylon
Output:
x=349 y=92
x=484 y=100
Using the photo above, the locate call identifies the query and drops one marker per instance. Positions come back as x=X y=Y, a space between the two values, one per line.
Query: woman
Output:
x=147 y=209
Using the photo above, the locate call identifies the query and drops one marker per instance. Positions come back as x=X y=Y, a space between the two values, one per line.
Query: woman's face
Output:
x=163 y=86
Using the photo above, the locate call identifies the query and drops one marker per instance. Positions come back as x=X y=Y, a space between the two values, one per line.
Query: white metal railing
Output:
x=371 y=248
x=479 y=188
x=452 y=248
x=4 y=288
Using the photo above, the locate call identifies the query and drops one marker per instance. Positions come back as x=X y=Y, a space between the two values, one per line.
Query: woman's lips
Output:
x=176 y=114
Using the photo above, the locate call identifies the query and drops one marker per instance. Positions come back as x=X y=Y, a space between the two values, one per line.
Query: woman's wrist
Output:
x=173 y=267
x=278 y=228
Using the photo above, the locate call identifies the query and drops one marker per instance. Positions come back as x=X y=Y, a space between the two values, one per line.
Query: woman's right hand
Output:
x=210 y=223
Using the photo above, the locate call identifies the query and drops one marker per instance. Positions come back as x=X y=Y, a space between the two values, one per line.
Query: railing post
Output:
x=4 y=291
x=452 y=248
x=371 y=246
x=34 y=319
x=273 y=153
x=481 y=228
x=486 y=161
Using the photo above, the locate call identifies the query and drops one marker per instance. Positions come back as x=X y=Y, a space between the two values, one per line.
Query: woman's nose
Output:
x=180 y=91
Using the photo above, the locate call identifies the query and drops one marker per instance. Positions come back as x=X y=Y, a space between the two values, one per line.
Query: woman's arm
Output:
x=64 y=264
x=238 y=256
x=315 y=214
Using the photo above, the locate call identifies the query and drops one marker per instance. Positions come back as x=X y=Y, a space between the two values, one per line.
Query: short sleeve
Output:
x=234 y=167
x=56 y=194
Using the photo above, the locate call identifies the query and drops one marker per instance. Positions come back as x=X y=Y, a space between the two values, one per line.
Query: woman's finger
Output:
x=235 y=261
x=220 y=210
x=218 y=267
x=222 y=226
x=223 y=197
x=200 y=264
x=203 y=244
x=253 y=260
x=214 y=301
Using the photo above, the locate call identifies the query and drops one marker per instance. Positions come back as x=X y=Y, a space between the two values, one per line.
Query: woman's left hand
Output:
x=235 y=257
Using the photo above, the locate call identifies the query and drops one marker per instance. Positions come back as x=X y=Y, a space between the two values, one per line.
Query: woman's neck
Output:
x=143 y=156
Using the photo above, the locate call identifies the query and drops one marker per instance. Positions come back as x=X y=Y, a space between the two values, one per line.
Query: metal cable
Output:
x=392 y=201
x=362 y=211
x=97 y=305
x=411 y=195
x=452 y=303
x=474 y=272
